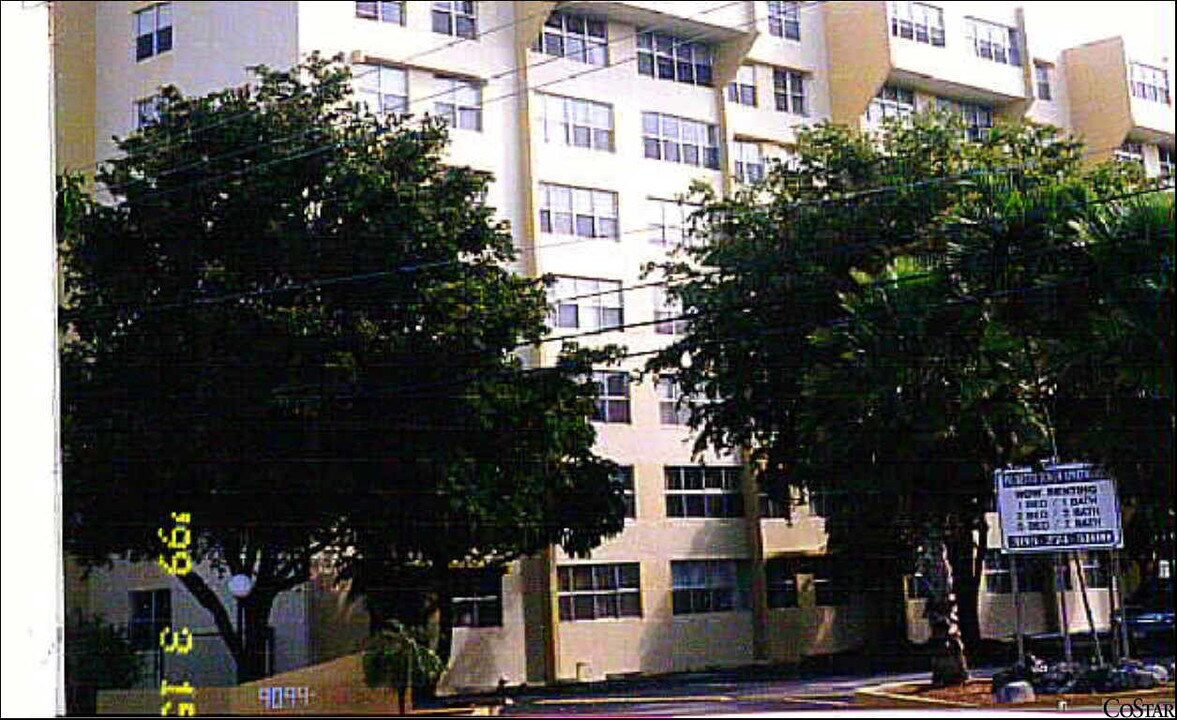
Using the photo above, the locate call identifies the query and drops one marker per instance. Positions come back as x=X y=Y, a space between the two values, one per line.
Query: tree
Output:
x=99 y=657
x=866 y=322
x=294 y=322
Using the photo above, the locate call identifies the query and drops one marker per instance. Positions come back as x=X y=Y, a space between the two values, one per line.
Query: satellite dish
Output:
x=240 y=585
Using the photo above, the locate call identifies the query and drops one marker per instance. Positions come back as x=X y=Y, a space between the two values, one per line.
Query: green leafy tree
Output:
x=98 y=656
x=869 y=323
x=293 y=320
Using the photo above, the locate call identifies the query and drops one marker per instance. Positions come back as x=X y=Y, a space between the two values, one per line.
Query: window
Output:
x=460 y=103
x=389 y=12
x=703 y=492
x=992 y=41
x=742 y=90
x=702 y=586
x=455 y=18
x=828 y=589
x=1035 y=574
x=147 y=111
x=1130 y=152
x=668 y=313
x=784 y=19
x=586 y=303
x=772 y=509
x=1042 y=72
x=612 y=397
x=576 y=211
x=575 y=37
x=624 y=478
x=978 y=119
x=153 y=31
x=824 y=503
x=788 y=89
x=1165 y=157
x=579 y=123
x=384 y=89
x=749 y=161
x=478 y=598
x=675 y=139
x=918 y=21
x=151 y=612
x=668 y=221
x=670 y=58
x=781 y=580
x=594 y=592
x=671 y=410
x=891 y=102
x=1148 y=82
x=1095 y=571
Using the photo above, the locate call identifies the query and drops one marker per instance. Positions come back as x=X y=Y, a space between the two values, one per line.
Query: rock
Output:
x=1159 y=672
x=1014 y=693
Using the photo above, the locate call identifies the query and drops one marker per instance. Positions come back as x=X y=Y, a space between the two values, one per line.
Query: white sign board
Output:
x=1062 y=507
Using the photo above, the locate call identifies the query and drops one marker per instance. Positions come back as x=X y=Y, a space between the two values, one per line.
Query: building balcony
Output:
x=1109 y=106
x=941 y=51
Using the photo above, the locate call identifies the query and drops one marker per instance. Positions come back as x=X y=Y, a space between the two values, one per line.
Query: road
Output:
x=703 y=694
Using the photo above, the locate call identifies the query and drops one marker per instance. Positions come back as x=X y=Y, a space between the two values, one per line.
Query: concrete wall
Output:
x=1097 y=81
x=74 y=86
x=859 y=56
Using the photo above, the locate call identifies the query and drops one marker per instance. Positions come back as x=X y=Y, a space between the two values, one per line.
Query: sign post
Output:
x=1059 y=509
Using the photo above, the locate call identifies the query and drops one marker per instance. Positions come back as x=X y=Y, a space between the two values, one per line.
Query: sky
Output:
x=1147 y=27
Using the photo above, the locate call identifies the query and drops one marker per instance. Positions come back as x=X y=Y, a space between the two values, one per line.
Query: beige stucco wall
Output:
x=859 y=56
x=74 y=88
x=1097 y=82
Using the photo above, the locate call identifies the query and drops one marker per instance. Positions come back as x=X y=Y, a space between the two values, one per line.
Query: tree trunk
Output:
x=256 y=612
x=965 y=556
x=949 y=666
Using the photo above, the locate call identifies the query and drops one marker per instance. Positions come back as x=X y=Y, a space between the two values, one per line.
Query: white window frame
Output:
x=608 y=584
x=672 y=408
x=742 y=90
x=461 y=18
x=668 y=315
x=1130 y=152
x=708 y=586
x=890 y=102
x=587 y=209
x=1148 y=82
x=917 y=21
x=749 y=161
x=684 y=136
x=713 y=490
x=625 y=478
x=379 y=83
x=1043 y=81
x=614 y=406
x=145 y=111
x=383 y=11
x=993 y=41
x=1165 y=161
x=568 y=35
x=784 y=19
x=577 y=123
x=159 y=29
x=692 y=63
x=788 y=91
x=481 y=604
x=978 y=119
x=669 y=225
x=459 y=103
x=598 y=302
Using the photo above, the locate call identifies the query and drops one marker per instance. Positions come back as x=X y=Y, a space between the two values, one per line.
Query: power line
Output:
x=312 y=151
x=535 y=247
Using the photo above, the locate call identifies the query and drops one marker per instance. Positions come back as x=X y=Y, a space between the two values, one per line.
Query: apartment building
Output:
x=594 y=117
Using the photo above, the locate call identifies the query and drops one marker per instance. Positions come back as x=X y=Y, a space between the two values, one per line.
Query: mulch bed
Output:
x=977 y=692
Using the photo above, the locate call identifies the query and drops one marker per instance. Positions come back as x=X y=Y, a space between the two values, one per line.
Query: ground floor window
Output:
x=594 y=592
x=703 y=586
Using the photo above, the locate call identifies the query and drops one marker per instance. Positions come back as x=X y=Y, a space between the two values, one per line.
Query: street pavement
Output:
x=704 y=694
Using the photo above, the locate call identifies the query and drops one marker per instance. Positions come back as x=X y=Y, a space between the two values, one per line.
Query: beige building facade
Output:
x=594 y=117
